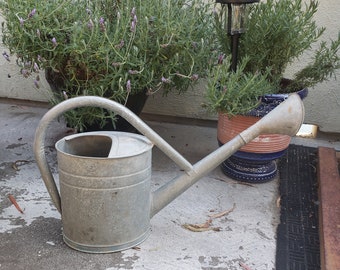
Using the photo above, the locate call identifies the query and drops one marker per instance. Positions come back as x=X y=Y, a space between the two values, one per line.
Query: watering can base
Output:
x=105 y=248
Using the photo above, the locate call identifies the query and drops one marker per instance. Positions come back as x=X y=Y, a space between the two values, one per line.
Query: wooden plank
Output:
x=329 y=210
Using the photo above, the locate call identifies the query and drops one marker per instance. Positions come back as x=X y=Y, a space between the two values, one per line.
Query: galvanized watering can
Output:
x=105 y=199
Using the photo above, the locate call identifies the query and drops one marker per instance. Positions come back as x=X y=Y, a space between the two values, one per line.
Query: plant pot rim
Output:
x=270 y=101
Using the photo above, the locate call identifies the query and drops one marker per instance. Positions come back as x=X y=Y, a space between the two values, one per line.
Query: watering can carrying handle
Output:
x=94 y=101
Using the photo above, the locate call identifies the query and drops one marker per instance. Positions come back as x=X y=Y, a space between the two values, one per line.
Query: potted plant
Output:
x=278 y=33
x=122 y=50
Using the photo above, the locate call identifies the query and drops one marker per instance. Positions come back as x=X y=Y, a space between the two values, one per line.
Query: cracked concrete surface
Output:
x=33 y=240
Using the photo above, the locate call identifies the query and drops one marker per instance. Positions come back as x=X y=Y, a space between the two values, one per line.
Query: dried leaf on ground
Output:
x=14 y=202
x=244 y=266
x=198 y=227
x=278 y=202
x=221 y=214
x=201 y=227
x=17 y=163
x=207 y=225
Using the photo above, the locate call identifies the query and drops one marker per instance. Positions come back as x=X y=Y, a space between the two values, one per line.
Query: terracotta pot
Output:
x=228 y=128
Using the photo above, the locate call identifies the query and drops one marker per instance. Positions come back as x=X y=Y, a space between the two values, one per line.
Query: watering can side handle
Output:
x=40 y=156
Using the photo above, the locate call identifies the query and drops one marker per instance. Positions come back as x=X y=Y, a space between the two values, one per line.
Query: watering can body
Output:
x=105 y=198
x=104 y=182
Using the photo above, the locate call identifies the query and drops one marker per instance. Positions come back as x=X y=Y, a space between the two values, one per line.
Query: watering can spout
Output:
x=118 y=188
x=285 y=119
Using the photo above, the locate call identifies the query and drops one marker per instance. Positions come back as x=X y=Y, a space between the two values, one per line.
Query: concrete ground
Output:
x=245 y=236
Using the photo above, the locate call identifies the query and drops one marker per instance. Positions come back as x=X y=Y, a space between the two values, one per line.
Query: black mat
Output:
x=298 y=245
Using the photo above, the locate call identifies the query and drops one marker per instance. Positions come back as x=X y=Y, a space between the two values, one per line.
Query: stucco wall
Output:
x=322 y=104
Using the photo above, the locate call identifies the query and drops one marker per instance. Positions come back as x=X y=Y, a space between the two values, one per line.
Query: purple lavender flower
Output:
x=32 y=13
x=133 y=26
x=194 y=77
x=116 y=64
x=36 y=84
x=131 y=71
x=6 y=56
x=54 y=41
x=90 y=24
x=35 y=67
x=25 y=73
x=133 y=12
x=28 y=64
x=128 y=86
x=120 y=45
x=220 y=59
x=134 y=20
x=102 y=24
x=165 y=80
x=21 y=20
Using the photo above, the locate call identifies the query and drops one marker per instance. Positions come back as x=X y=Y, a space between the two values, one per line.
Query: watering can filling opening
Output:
x=104 y=145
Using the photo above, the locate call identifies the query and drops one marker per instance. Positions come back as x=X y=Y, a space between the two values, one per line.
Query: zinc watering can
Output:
x=105 y=198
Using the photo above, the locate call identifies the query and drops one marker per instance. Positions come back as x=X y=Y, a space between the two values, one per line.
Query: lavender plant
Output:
x=109 y=48
x=278 y=33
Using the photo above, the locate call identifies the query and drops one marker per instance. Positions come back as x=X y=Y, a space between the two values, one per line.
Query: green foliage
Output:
x=237 y=92
x=110 y=48
x=278 y=33
x=325 y=61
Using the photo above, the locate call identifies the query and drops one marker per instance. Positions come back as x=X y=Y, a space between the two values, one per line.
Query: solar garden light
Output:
x=236 y=23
